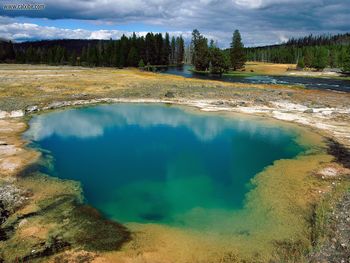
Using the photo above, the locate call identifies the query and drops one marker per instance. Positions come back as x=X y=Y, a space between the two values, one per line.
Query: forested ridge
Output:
x=153 y=49
x=310 y=51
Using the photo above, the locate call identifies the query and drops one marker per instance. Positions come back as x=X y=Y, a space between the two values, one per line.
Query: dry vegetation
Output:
x=268 y=68
x=264 y=68
x=27 y=85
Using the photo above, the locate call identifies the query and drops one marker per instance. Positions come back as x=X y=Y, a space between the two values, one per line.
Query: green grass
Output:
x=241 y=74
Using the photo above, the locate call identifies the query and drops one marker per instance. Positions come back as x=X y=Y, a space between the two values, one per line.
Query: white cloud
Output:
x=28 y=31
x=102 y=34
x=258 y=20
x=282 y=38
x=265 y=3
x=248 y=3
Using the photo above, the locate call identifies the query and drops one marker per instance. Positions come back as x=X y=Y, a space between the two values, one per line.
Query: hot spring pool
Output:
x=159 y=164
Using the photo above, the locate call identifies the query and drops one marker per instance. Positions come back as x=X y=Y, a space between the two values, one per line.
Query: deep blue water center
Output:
x=157 y=163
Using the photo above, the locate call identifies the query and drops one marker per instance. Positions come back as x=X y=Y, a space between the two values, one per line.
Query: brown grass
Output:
x=26 y=85
x=268 y=68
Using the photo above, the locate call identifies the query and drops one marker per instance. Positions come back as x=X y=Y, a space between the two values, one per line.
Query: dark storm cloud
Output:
x=260 y=21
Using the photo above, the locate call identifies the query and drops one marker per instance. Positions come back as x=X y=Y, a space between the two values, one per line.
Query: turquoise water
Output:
x=157 y=163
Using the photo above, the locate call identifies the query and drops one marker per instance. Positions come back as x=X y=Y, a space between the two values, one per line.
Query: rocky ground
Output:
x=336 y=247
x=333 y=243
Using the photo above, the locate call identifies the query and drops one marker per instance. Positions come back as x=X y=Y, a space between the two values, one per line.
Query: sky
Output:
x=261 y=22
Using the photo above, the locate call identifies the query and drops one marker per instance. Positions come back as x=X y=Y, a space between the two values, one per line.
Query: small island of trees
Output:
x=209 y=58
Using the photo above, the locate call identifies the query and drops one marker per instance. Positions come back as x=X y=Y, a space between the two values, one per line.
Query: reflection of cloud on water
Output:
x=92 y=122
x=65 y=124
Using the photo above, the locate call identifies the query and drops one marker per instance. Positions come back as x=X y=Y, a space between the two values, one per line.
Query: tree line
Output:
x=320 y=40
x=316 y=52
x=152 y=49
x=133 y=51
x=157 y=49
x=209 y=58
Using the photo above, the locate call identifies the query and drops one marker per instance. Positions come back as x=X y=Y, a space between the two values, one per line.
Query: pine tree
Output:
x=9 y=52
x=321 y=58
x=92 y=58
x=50 y=56
x=2 y=51
x=342 y=55
x=141 y=63
x=30 y=55
x=172 y=50
x=308 y=57
x=63 y=57
x=123 y=51
x=100 y=54
x=200 y=51
x=346 y=63
x=83 y=56
x=166 y=50
x=194 y=42
x=132 y=57
x=180 y=50
x=73 y=58
x=301 y=63
x=158 y=49
x=333 y=58
x=188 y=54
x=219 y=62
x=115 y=54
x=108 y=58
x=237 y=54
